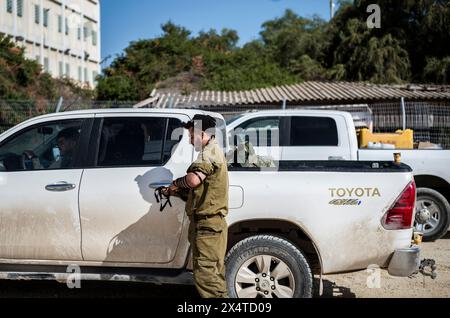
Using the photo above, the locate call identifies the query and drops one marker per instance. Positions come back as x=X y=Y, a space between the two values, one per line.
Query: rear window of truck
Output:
x=313 y=131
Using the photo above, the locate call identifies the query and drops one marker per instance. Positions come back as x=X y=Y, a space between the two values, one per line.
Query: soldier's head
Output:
x=67 y=140
x=201 y=129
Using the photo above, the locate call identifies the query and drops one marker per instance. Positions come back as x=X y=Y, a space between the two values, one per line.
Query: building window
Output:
x=46 y=17
x=67 y=70
x=19 y=8
x=66 y=23
x=46 y=65
x=80 y=76
x=37 y=15
x=60 y=22
x=61 y=69
x=94 y=38
x=9 y=6
x=79 y=32
x=85 y=33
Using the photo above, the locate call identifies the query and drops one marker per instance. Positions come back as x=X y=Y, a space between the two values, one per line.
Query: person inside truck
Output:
x=66 y=141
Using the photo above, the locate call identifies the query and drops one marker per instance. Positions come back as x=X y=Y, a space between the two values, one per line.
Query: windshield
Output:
x=233 y=119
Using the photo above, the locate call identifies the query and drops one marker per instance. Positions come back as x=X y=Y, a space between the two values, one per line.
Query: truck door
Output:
x=120 y=217
x=40 y=172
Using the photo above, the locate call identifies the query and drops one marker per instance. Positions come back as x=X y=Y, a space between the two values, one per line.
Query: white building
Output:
x=62 y=35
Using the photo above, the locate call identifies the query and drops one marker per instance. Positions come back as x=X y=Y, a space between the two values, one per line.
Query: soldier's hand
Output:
x=170 y=191
x=173 y=190
x=165 y=191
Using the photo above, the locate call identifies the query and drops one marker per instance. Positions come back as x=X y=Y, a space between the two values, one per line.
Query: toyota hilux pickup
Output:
x=299 y=134
x=77 y=198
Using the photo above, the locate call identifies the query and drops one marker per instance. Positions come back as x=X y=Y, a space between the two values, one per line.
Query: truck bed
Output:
x=338 y=204
x=338 y=166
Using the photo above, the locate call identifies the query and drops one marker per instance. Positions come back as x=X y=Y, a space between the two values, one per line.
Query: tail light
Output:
x=400 y=215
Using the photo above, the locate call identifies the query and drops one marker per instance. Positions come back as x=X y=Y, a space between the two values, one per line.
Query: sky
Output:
x=123 y=21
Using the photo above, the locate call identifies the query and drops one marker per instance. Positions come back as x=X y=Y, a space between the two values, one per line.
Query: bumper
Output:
x=405 y=262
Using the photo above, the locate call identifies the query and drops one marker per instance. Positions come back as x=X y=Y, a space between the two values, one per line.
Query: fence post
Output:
x=59 y=105
x=402 y=100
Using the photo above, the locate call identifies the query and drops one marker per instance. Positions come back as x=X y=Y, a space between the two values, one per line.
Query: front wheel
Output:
x=432 y=214
x=266 y=266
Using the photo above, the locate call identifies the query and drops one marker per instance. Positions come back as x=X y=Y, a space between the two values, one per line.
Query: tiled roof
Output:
x=301 y=93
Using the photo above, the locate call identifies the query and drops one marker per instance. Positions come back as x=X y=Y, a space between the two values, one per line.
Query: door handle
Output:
x=160 y=184
x=60 y=187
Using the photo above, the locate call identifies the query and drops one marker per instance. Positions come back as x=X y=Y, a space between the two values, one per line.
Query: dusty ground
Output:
x=355 y=284
x=346 y=285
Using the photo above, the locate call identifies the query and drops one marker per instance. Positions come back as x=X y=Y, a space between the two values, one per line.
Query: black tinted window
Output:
x=313 y=131
x=136 y=141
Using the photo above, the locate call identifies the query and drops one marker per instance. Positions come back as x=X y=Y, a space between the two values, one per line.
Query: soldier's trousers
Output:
x=208 y=239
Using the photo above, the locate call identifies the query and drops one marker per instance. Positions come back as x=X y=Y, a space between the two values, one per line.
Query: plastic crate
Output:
x=400 y=139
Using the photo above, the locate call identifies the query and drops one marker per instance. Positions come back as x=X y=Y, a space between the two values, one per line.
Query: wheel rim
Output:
x=428 y=208
x=264 y=276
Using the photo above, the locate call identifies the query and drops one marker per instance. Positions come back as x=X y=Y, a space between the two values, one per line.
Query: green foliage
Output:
x=247 y=68
x=23 y=79
x=118 y=87
x=437 y=70
x=411 y=45
x=370 y=58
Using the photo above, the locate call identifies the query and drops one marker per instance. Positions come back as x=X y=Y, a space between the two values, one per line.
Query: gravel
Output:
x=355 y=284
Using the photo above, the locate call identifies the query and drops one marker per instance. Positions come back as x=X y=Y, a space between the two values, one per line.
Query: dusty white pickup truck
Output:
x=330 y=135
x=76 y=198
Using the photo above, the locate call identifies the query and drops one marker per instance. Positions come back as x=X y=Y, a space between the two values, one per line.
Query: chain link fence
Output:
x=15 y=112
x=429 y=120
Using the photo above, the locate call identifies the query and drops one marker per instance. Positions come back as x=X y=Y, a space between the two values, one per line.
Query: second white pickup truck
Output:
x=331 y=135
x=76 y=200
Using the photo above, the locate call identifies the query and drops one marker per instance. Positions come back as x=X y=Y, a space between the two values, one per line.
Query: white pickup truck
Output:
x=77 y=201
x=331 y=135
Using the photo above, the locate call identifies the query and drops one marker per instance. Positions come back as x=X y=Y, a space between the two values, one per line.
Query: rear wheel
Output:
x=267 y=266
x=432 y=214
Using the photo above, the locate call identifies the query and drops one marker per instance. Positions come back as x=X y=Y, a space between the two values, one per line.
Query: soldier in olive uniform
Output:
x=206 y=186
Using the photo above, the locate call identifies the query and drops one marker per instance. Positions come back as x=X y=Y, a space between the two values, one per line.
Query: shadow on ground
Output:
x=331 y=290
x=51 y=289
x=446 y=236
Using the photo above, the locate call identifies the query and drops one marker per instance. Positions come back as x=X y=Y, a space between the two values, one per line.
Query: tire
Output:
x=288 y=274
x=433 y=205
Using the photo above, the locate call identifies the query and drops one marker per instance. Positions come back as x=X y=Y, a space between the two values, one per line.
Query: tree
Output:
x=369 y=58
x=437 y=70
x=23 y=79
x=411 y=45
x=294 y=41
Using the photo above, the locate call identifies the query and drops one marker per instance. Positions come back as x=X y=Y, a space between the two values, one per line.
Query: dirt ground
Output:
x=355 y=284
x=338 y=286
